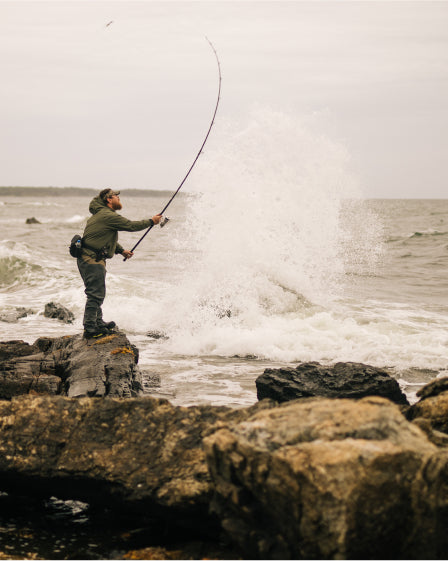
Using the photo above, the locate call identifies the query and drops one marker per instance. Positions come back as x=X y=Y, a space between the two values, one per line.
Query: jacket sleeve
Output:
x=117 y=222
x=119 y=249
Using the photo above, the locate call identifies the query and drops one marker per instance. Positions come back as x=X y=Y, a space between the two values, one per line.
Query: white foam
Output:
x=263 y=234
x=263 y=257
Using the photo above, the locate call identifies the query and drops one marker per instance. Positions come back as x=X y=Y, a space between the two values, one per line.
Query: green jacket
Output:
x=102 y=228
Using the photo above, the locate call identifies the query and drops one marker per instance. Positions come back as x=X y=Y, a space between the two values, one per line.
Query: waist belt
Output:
x=100 y=254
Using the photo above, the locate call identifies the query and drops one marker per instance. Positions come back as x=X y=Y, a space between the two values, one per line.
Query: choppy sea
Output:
x=221 y=293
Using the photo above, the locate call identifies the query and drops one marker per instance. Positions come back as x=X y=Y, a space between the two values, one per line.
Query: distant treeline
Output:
x=75 y=192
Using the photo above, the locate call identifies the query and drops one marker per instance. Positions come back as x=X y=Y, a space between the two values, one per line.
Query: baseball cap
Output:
x=106 y=193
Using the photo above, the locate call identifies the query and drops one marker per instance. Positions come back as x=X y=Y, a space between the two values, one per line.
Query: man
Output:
x=100 y=242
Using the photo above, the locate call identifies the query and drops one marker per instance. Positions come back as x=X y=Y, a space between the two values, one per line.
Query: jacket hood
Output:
x=96 y=205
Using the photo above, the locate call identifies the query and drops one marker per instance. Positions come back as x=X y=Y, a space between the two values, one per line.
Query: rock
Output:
x=14 y=349
x=436 y=437
x=143 y=454
x=32 y=221
x=24 y=369
x=343 y=380
x=71 y=366
x=57 y=311
x=156 y=335
x=435 y=387
x=98 y=368
x=330 y=479
x=13 y=315
x=433 y=405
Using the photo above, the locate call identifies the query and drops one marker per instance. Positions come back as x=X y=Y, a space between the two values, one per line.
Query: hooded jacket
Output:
x=102 y=228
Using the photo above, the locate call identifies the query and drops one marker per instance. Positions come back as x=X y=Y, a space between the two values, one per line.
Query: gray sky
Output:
x=128 y=105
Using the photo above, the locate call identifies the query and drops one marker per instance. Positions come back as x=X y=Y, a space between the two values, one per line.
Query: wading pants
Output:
x=94 y=276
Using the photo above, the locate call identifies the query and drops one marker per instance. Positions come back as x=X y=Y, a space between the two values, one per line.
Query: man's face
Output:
x=114 y=202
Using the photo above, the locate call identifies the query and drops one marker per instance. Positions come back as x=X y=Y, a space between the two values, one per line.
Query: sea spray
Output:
x=265 y=239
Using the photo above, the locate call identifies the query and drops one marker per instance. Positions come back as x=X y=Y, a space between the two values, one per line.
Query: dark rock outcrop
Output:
x=142 y=453
x=70 y=366
x=330 y=479
x=32 y=220
x=343 y=380
x=58 y=311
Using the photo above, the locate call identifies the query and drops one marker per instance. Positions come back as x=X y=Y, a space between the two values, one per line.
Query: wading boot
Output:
x=106 y=324
x=97 y=334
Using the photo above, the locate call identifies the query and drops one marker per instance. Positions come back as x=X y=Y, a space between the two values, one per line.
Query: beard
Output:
x=116 y=205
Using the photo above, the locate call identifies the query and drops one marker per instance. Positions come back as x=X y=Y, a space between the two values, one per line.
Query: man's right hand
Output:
x=157 y=218
x=127 y=254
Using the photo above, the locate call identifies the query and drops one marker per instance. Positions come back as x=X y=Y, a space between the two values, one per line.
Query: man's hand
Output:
x=127 y=254
x=157 y=218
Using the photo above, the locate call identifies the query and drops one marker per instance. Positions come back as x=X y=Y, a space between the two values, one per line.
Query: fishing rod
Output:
x=197 y=155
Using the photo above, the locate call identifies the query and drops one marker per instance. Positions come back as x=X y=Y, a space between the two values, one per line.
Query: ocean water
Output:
x=271 y=258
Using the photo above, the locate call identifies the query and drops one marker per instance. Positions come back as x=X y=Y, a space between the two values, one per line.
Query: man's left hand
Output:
x=127 y=254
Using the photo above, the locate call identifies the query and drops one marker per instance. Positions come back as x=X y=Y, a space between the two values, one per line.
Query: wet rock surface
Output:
x=343 y=380
x=71 y=366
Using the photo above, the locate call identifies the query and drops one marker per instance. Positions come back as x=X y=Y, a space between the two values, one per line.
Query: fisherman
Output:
x=100 y=242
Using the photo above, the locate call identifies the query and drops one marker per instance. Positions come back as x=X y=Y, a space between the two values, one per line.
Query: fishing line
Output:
x=197 y=155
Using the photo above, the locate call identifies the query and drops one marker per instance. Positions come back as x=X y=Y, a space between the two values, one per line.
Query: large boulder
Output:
x=432 y=408
x=330 y=479
x=343 y=380
x=71 y=366
x=141 y=453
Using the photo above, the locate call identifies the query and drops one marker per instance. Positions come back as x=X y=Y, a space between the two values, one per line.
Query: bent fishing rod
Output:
x=197 y=155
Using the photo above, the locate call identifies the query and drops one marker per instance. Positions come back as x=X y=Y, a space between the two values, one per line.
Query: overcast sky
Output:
x=127 y=105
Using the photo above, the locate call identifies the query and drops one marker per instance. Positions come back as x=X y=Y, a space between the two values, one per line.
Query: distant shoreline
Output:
x=75 y=191
x=12 y=191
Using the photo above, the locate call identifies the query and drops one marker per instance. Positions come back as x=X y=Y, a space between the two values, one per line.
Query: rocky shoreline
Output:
x=331 y=463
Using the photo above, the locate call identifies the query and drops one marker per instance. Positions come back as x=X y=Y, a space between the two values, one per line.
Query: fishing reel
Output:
x=163 y=221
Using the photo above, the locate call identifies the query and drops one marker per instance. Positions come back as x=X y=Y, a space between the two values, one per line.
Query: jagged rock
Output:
x=71 y=366
x=25 y=369
x=156 y=335
x=330 y=479
x=57 y=311
x=433 y=405
x=13 y=315
x=14 y=349
x=32 y=220
x=141 y=453
x=435 y=387
x=343 y=380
